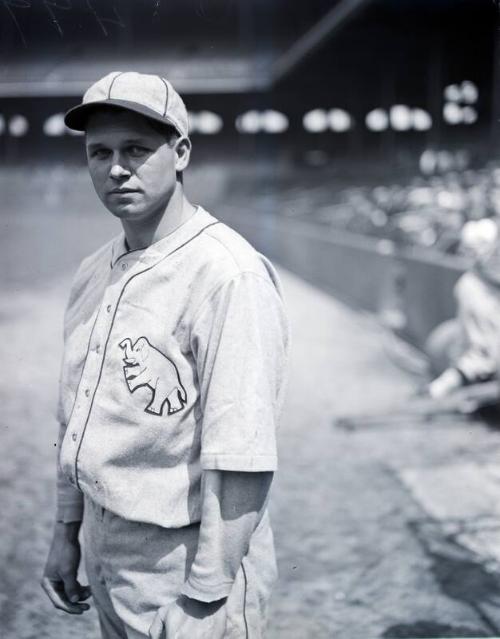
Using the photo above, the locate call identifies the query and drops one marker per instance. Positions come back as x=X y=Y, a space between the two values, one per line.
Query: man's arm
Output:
x=233 y=504
x=59 y=579
x=239 y=340
x=478 y=363
x=69 y=499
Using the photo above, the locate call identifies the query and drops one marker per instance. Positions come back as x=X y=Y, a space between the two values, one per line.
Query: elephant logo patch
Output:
x=145 y=365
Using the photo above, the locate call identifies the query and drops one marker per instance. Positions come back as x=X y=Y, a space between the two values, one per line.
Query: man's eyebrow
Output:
x=95 y=145
x=140 y=140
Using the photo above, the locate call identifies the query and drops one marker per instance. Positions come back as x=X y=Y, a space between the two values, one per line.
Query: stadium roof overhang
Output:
x=215 y=63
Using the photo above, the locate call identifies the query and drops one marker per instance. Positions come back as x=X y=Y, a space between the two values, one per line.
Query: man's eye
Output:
x=100 y=154
x=137 y=151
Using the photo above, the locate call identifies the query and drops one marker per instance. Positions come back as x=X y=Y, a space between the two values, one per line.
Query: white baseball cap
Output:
x=149 y=95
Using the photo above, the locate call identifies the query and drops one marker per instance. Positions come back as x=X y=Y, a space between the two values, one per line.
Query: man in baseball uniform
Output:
x=172 y=380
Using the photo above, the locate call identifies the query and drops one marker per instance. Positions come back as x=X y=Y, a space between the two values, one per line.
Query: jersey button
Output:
x=98 y=348
x=74 y=437
x=124 y=266
x=87 y=392
x=108 y=308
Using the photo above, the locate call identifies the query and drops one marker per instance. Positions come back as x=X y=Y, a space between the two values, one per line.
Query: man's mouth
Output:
x=123 y=191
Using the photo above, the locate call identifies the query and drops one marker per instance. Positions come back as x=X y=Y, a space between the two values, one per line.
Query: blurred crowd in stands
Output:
x=432 y=210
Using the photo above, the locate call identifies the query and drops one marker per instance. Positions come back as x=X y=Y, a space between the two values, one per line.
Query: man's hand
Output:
x=189 y=618
x=445 y=384
x=59 y=576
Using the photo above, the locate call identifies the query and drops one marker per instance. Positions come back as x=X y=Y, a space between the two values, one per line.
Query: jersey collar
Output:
x=170 y=243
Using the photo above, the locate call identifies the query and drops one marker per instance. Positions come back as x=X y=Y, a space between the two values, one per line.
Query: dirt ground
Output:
x=360 y=554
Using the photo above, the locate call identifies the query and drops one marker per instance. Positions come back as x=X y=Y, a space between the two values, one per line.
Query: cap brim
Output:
x=77 y=117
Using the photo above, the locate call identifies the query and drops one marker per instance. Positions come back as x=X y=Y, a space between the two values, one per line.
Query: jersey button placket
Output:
x=92 y=365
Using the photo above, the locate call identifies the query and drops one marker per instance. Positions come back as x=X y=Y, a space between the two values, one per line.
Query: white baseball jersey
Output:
x=174 y=362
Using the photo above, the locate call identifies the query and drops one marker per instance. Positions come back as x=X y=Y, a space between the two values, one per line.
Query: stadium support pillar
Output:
x=435 y=88
x=495 y=90
x=314 y=38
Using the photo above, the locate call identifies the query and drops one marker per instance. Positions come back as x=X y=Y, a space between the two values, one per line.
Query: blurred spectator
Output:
x=467 y=348
x=429 y=211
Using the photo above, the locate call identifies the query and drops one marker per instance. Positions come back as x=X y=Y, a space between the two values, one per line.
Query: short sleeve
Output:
x=240 y=344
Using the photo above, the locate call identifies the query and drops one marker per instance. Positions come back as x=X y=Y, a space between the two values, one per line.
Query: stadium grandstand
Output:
x=338 y=78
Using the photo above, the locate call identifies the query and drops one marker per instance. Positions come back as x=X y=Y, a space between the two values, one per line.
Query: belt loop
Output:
x=102 y=510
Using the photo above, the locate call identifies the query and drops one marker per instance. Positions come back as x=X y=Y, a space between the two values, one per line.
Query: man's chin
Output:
x=126 y=212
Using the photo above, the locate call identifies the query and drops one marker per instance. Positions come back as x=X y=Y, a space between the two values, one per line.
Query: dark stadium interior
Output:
x=230 y=57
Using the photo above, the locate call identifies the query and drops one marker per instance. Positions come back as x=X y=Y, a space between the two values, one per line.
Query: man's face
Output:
x=133 y=166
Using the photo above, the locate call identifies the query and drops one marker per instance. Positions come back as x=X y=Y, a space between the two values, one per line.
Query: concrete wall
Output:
x=364 y=272
x=427 y=294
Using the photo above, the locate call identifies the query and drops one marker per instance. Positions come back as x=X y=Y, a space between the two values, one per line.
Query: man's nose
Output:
x=119 y=170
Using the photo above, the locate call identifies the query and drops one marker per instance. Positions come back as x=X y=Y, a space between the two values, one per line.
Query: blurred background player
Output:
x=465 y=350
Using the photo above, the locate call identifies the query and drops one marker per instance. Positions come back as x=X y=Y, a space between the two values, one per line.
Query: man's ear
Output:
x=182 y=153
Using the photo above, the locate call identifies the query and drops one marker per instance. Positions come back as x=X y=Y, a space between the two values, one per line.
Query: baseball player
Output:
x=172 y=380
x=465 y=350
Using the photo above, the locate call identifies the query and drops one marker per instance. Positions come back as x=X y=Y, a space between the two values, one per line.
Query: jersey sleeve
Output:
x=240 y=344
x=69 y=499
x=233 y=505
x=478 y=306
